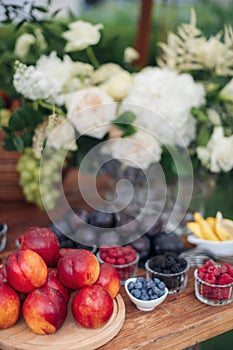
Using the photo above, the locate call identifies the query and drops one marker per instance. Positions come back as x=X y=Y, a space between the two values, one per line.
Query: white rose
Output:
x=130 y=55
x=91 y=111
x=104 y=72
x=138 y=150
x=162 y=101
x=23 y=44
x=220 y=152
x=62 y=136
x=81 y=34
x=226 y=94
x=118 y=85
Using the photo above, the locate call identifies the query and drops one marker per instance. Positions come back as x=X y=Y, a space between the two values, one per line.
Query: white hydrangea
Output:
x=30 y=82
x=46 y=79
x=82 y=34
x=139 y=150
x=218 y=153
x=162 y=102
x=91 y=111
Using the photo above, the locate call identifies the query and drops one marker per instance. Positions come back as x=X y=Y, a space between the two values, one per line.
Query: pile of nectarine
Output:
x=41 y=280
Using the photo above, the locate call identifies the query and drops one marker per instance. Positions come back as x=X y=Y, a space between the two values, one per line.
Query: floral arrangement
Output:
x=186 y=101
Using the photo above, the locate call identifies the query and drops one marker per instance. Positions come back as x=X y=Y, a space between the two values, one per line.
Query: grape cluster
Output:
x=39 y=180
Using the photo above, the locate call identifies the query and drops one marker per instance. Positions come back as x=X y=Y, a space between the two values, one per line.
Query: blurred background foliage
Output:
x=120 y=20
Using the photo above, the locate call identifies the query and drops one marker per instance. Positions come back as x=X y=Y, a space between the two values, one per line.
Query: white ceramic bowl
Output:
x=223 y=248
x=144 y=305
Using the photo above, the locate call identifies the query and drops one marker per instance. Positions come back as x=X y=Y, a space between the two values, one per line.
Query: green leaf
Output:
x=8 y=144
x=203 y=136
x=31 y=116
x=16 y=121
x=6 y=130
x=124 y=123
x=126 y=117
x=27 y=139
x=200 y=115
x=18 y=142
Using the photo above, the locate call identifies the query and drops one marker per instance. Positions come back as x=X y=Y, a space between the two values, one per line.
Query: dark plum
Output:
x=85 y=235
x=143 y=246
x=76 y=217
x=61 y=229
x=102 y=219
x=168 y=242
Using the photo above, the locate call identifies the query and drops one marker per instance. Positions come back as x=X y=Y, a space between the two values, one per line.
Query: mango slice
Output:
x=206 y=229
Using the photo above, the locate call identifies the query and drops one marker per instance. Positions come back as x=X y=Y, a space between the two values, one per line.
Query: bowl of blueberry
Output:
x=146 y=293
x=169 y=268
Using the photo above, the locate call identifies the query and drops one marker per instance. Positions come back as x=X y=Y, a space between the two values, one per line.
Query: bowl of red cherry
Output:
x=123 y=258
x=214 y=283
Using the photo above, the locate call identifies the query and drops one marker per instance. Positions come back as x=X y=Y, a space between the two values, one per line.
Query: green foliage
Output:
x=124 y=123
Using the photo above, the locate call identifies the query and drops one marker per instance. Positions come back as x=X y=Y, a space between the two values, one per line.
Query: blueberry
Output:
x=161 y=285
x=131 y=286
x=153 y=296
x=160 y=292
x=156 y=281
x=148 y=284
x=138 y=285
x=156 y=290
x=140 y=279
x=150 y=292
x=136 y=293
x=145 y=297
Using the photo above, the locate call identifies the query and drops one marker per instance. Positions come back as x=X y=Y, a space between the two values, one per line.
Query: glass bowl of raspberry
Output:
x=170 y=269
x=123 y=258
x=214 y=283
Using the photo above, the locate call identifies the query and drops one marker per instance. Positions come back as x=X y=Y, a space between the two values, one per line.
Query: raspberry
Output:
x=110 y=260
x=225 y=279
x=230 y=272
x=208 y=263
x=112 y=253
x=224 y=268
x=129 y=259
x=201 y=271
x=120 y=261
x=119 y=253
x=104 y=249
x=103 y=256
x=209 y=277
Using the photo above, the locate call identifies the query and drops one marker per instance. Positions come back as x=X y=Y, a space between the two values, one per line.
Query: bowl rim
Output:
x=191 y=238
x=148 y=302
x=166 y=274
x=197 y=278
x=120 y=266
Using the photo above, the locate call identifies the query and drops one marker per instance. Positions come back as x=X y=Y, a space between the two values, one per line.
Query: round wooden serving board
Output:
x=70 y=336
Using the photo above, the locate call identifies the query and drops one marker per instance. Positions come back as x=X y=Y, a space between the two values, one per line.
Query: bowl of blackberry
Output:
x=169 y=268
x=146 y=293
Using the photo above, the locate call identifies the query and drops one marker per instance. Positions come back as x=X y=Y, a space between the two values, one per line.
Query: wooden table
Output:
x=179 y=322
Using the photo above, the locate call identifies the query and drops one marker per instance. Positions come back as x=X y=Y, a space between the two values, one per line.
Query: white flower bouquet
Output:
x=185 y=102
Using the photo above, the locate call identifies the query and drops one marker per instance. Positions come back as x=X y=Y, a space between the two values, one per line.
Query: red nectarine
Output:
x=54 y=282
x=9 y=306
x=25 y=270
x=44 y=310
x=78 y=268
x=109 y=279
x=43 y=241
x=92 y=306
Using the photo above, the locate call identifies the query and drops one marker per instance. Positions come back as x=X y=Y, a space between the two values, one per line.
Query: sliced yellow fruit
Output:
x=206 y=229
x=212 y=222
x=194 y=227
x=223 y=228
